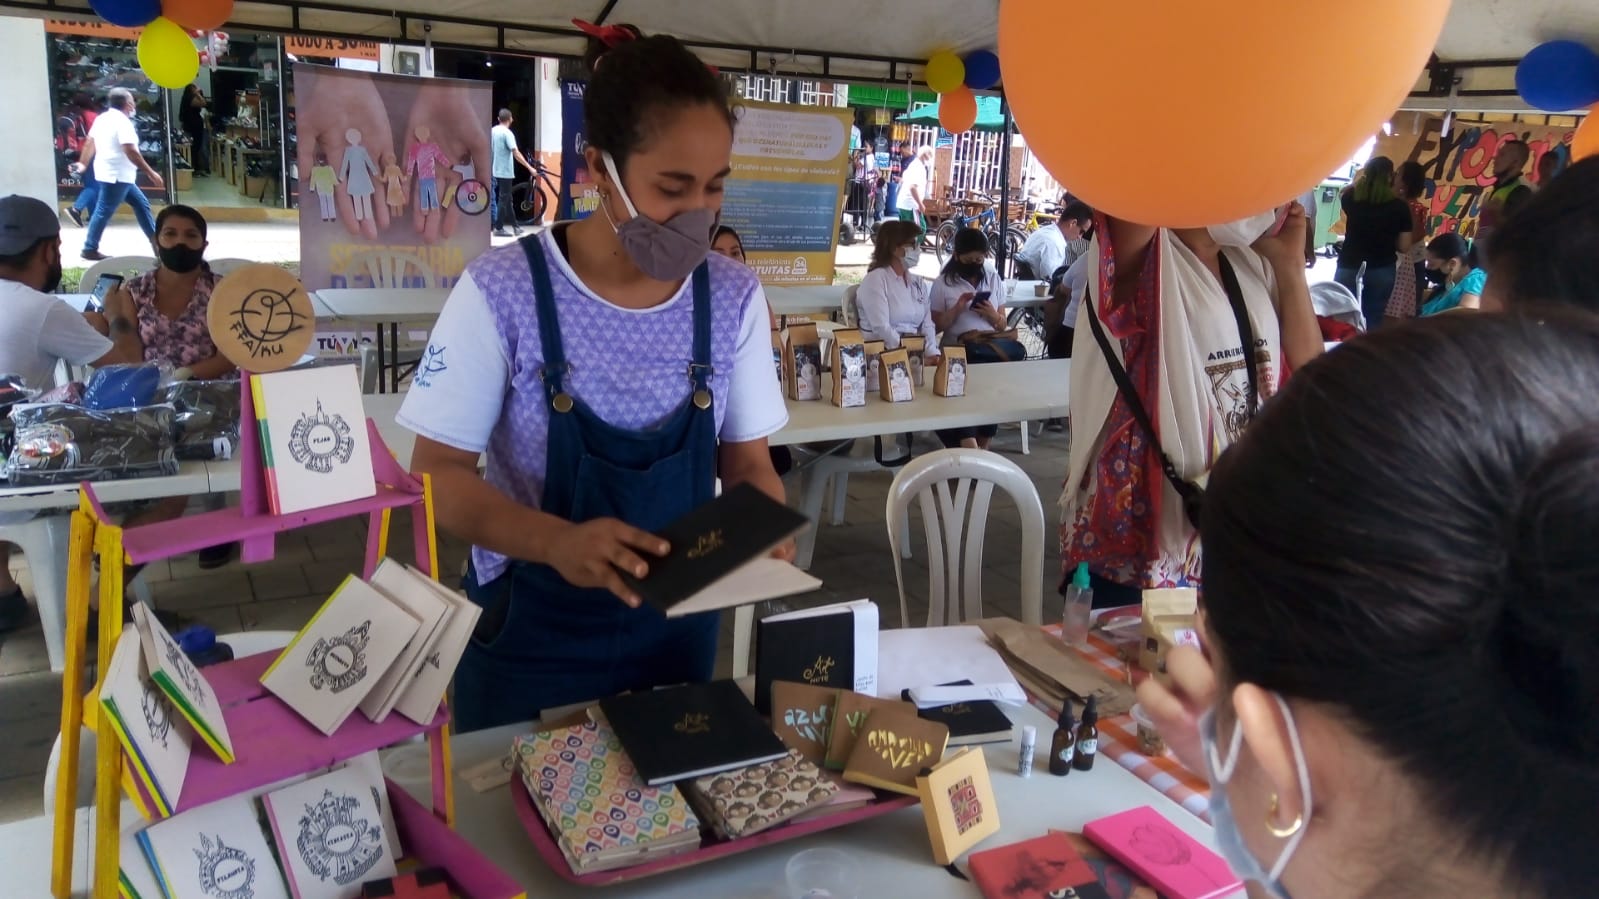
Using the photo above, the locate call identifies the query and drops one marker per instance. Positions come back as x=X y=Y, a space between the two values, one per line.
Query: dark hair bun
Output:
x=636 y=82
x=1547 y=635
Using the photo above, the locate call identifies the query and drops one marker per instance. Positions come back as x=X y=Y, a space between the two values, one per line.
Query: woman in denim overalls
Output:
x=623 y=392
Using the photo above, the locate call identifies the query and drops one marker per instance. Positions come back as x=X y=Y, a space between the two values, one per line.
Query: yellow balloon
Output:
x=167 y=54
x=945 y=72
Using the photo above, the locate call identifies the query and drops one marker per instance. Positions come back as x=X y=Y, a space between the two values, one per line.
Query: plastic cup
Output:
x=822 y=874
x=1041 y=289
x=1010 y=288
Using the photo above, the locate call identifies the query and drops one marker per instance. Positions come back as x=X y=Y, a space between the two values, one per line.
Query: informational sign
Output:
x=1460 y=165
x=393 y=178
x=331 y=47
x=579 y=194
x=787 y=189
x=91 y=28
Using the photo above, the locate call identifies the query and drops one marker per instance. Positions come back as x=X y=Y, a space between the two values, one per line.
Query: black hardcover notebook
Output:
x=716 y=560
x=687 y=731
x=823 y=647
x=969 y=723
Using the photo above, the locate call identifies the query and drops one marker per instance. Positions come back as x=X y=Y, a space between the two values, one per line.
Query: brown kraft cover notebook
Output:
x=893 y=748
x=802 y=716
x=849 y=716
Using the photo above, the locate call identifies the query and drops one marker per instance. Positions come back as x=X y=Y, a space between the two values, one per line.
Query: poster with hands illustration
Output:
x=404 y=154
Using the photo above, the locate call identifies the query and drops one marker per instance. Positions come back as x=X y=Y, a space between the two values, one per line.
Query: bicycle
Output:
x=529 y=198
x=985 y=221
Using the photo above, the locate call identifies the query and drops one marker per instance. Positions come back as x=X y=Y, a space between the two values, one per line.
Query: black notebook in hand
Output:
x=719 y=556
x=687 y=731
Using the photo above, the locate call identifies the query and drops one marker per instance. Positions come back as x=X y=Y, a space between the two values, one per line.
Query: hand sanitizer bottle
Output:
x=1079 y=603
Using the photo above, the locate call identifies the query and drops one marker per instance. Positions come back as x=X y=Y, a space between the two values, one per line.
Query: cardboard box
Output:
x=849 y=369
x=951 y=377
x=183 y=179
x=874 y=365
x=802 y=363
x=897 y=385
x=916 y=347
x=1170 y=618
x=253 y=186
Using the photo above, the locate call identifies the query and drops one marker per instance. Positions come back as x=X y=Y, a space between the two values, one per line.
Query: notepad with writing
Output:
x=828 y=646
x=969 y=723
x=687 y=731
x=1173 y=862
x=716 y=560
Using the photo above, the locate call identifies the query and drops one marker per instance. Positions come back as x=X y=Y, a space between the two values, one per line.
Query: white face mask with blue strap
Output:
x=1228 y=838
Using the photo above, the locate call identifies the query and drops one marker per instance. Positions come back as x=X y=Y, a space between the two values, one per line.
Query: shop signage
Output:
x=90 y=28
x=331 y=47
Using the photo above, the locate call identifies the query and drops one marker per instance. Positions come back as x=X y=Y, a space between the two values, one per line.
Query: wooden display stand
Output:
x=272 y=741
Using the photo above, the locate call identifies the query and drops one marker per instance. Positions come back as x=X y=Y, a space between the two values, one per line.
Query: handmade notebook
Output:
x=215 y=850
x=151 y=731
x=684 y=732
x=135 y=878
x=182 y=682
x=1118 y=880
x=749 y=800
x=370 y=764
x=331 y=665
x=409 y=592
x=893 y=748
x=329 y=833
x=315 y=448
x=420 y=699
x=849 y=718
x=580 y=779
x=969 y=723
x=709 y=547
x=801 y=717
x=958 y=804
x=1040 y=868
x=1173 y=862
x=828 y=646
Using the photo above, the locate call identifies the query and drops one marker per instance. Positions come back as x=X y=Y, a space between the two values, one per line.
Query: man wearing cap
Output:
x=37 y=330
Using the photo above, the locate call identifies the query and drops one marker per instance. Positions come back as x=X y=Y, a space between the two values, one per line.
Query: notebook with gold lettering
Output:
x=894 y=748
x=688 y=731
x=827 y=646
x=849 y=718
x=719 y=556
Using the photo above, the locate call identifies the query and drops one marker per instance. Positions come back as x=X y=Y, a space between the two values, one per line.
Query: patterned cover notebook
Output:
x=596 y=804
x=747 y=801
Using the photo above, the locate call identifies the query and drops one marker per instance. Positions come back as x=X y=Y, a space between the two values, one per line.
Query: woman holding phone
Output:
x=967 y=300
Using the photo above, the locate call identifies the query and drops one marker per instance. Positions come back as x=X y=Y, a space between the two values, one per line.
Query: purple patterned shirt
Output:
x=178 y=342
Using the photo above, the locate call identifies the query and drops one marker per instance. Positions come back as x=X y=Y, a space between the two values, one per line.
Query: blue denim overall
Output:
x=561 y=644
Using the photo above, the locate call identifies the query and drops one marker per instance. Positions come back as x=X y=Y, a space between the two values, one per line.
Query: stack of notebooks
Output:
x=317 y=837
x=382 y=646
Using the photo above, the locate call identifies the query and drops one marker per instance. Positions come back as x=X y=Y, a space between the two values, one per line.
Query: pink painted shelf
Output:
x=272 y=742
x=711 y=849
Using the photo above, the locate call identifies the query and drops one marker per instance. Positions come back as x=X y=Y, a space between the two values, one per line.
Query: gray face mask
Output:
x=665 y=251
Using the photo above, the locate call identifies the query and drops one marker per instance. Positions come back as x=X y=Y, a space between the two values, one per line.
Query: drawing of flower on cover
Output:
x=339 y=663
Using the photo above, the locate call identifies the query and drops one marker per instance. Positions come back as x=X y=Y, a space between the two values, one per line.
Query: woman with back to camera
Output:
x=1396 y=695
x=1377 y=228
x=969 y=319
x=611 y=369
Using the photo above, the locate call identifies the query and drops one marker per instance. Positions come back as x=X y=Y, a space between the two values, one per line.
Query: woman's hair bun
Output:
x=1546 y=639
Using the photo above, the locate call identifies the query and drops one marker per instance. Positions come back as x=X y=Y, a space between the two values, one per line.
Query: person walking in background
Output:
x=1378 y=228
x=83 y=115
x=117 y=164
x=503 y=144
x=191 y=114
x=916 y=184
x=1509 y=192
x=1410 y=184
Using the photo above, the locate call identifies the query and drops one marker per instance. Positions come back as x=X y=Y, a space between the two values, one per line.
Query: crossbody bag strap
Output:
x=1246 y=329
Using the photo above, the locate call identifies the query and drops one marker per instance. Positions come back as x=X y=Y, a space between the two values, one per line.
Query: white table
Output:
x=893 y=852
x=807 y=299
x=380 y=306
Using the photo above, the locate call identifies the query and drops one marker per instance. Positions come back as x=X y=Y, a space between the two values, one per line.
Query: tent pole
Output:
x=1003 y=263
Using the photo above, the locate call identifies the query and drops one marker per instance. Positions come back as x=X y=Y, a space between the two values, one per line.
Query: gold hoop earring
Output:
x=1278 y=831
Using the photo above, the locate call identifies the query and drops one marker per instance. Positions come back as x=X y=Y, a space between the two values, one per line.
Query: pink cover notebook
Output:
x=1168 y=859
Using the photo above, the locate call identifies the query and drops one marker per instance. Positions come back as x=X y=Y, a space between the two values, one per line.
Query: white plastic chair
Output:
x=955 y=569
x=224 y=267
x=848 y=311
x=244 y=643
x=833 y=471
x=127 y=266
x=43 y=540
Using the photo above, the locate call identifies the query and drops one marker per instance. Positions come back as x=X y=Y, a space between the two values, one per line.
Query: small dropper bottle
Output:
x=1087 y=737
x=1063 y=744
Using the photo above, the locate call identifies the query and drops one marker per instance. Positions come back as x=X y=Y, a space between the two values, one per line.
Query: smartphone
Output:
x=103 y=286
x=982 y=298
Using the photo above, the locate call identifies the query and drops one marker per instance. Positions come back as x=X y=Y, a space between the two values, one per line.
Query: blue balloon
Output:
x=127 y=13
x=1558 y=76
x=982 y=69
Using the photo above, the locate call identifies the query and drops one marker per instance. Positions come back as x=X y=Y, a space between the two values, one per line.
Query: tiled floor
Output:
x=852 y=560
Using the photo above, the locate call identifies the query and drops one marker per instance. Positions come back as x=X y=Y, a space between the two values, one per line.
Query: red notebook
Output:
x=1035 y=869
x=1170 y=860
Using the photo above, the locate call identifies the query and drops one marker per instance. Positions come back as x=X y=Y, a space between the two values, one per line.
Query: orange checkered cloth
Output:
x=1118 y=739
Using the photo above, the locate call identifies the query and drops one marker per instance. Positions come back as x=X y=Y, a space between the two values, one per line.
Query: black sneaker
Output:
x=501 y=232
x=216 y=556
x=94 y=255
x=13 y=610
x=75 y=215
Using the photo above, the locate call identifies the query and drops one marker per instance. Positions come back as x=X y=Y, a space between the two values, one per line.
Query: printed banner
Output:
x=334 y=47
x=91 y=28
x=787 y=189
x=1460 y=167
x=393 y=177
x=579 y=196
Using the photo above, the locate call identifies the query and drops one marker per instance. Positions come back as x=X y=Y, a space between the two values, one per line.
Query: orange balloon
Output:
x=202 y=15
x=1585 y=142
x=1208 y=112
x=957 y=110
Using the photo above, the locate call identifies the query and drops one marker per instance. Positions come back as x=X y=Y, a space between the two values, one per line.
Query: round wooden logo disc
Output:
x=261 y=318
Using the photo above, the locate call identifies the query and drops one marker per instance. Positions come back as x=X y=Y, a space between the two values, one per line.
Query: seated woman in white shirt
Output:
x=968 y=309
x=892 y=302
